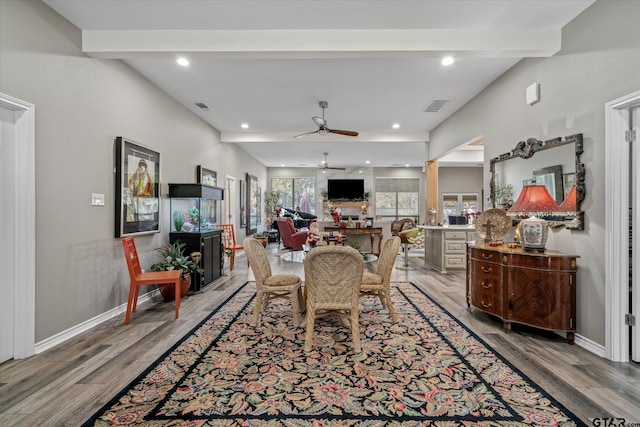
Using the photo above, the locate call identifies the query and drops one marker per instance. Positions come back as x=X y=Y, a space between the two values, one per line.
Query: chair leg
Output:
x=295 y=305
x=389 y=306
x=406 y=265
x=257 y=308
x=178 y=289
x=133 y=289
x=355 y=330
x=232 y=259
x=308 y=336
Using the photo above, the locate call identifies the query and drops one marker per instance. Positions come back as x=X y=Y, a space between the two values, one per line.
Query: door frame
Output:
x=617 y=183
x=21 y=251
x=230 y=214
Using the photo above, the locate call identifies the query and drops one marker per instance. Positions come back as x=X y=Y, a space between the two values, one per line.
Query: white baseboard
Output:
x=63 y=336
x=591 y=346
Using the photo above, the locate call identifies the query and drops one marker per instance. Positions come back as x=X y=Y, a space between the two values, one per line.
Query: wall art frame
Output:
x=243 y=204
x=137 y=188
x=206 y=176
x=253 y=204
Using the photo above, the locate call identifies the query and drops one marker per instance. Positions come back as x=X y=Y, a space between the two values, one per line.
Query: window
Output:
x=397 y=198
x=296 y=193
x=454 y=204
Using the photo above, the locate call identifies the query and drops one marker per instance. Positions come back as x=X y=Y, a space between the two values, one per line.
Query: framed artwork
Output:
x=206 y=176
x=243 y=203
x=568 y=181
x=137 y=184
x=253 y=204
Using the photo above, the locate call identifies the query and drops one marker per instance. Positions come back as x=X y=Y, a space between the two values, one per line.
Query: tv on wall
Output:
x=345 y=189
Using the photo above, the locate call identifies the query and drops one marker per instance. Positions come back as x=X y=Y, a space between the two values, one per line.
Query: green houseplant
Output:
x=172 y=258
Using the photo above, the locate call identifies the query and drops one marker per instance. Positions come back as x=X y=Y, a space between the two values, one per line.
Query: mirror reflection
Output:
x=554 y=163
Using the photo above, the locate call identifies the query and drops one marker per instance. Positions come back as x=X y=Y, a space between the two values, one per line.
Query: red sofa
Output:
x=290 y=237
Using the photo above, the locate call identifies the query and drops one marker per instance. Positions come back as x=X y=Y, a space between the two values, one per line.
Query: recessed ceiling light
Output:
x=367 y=162
x=407 y=165
x=360 y=171
x=396 y=125
x=282 y=165
x=447 y=60
x=183 y=61
x=244 y=126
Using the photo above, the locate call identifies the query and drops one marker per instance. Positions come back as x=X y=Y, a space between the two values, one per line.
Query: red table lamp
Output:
x=568 y=207
x=534 y=200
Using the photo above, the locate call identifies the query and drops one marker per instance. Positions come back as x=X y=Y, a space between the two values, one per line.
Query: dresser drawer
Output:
x=488 y=302
x=487 y=269
x=486 y=256
x=455 y=247
x=455 y=235
x=487 y=285
x=455 y=261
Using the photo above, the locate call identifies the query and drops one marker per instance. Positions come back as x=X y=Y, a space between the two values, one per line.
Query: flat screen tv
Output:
x=345 y=189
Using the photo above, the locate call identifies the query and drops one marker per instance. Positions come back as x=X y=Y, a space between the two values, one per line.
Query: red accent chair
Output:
x=138 y=278
x=229 y=242
x=291 y=238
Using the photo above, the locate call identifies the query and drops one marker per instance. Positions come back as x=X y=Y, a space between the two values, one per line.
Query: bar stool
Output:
x=406 y=238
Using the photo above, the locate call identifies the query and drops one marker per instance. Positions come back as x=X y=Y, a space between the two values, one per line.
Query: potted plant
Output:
x=271 y=198
x=173 y=258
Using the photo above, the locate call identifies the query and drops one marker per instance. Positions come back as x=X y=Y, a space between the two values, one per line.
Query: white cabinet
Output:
x=445 y=247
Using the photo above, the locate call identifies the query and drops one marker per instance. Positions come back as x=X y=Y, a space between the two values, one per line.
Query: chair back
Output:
x=286 y=228
x=258 y=260
x=131 y=255
x=228 y=235
x=387 y=258
x=332 y=278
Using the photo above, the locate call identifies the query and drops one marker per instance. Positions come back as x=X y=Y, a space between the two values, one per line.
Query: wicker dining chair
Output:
x=378 y=284
x=332 y=276
x=270 y=286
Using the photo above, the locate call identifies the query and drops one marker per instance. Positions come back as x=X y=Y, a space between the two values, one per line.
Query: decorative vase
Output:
x=168 y=292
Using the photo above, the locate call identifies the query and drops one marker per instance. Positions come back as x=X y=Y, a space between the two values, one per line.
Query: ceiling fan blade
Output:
x=319 y=122
x=306 y=133
x=343 y=132
x=337 y=169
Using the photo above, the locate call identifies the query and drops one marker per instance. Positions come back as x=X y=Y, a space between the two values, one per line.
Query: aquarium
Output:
x=194 y=207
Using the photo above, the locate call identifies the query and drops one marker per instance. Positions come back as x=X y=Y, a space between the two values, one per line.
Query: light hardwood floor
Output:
x=66 y=384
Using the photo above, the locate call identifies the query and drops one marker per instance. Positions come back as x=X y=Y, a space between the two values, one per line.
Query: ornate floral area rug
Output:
x=427 y=370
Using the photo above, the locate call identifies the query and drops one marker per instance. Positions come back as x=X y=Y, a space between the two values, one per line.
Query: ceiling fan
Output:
x=323 y=129
x=324 y=166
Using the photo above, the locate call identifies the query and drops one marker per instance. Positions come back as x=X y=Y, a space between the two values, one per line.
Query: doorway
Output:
x=231 y=206
x=17 y=229
x=622 y=292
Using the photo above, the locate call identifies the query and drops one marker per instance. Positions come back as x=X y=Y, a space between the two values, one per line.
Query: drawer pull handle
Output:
x=484 y=305
x=486 y=285
x=486 y=270
x=487 y=256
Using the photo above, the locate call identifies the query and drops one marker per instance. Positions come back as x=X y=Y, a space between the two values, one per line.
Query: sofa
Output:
x=290 y=237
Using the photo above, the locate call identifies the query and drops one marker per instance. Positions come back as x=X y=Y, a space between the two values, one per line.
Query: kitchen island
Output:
x=444 y=246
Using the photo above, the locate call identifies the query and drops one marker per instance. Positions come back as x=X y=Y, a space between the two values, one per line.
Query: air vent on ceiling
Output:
x=202 y=105
x=435 y=106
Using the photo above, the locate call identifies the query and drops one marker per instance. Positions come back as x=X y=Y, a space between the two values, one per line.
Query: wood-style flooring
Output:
x=68 y=383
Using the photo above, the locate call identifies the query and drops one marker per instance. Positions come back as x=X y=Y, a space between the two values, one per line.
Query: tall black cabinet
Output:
x=194 y=208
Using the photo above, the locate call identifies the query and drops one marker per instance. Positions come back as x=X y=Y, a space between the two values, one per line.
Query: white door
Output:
x=634 y=265
x=231 y=201
x=17 y=228
x=7 y=293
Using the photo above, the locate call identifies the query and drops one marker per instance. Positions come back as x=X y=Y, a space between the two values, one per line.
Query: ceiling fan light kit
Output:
x=323 y=128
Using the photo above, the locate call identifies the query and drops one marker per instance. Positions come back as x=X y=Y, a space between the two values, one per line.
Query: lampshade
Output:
x=569 y=206
x=534 y=200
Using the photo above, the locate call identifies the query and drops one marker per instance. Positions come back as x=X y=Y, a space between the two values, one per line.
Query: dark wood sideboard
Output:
x=530 y=288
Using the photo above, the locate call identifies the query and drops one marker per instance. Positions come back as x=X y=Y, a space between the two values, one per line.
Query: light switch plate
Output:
x=533 y=93
x=97 y=199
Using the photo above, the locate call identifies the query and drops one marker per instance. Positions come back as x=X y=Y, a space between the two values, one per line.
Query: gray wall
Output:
x=82 y=104
x=599 y=62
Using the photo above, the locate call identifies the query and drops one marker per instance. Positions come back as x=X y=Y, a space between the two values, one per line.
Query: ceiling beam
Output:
x=323 y=43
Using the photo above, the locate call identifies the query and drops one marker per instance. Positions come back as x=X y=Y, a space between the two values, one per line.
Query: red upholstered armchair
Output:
x=290 y=237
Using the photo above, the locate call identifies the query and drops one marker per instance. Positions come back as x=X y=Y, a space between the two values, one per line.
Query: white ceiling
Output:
x=268 y=64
